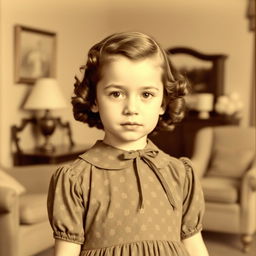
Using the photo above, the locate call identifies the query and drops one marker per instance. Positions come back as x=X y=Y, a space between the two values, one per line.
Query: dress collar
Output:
x=105 y=156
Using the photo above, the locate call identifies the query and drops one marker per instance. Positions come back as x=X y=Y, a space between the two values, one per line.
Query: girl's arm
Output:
x=195 y=245
x=64 y=248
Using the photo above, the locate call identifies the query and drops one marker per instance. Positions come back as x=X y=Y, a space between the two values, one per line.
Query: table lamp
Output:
x=46 y=95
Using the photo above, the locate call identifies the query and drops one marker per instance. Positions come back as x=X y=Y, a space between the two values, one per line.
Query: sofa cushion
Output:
x=230 y=163
x=33 y=208
x=233 y=151
x=221 y=190
x=7 y=180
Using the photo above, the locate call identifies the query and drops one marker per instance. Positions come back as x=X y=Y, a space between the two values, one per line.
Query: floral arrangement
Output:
x=230 y=105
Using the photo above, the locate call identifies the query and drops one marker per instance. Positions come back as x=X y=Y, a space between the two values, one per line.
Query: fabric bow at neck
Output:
x=146 y=155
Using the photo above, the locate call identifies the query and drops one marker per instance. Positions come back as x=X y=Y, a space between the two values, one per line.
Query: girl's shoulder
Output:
x=72 y=171
x=181 y=166
x=78 y=167
x=177 y=163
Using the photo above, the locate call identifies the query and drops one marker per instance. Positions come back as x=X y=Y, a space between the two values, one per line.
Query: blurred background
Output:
x=63 y=31
x=213 y=27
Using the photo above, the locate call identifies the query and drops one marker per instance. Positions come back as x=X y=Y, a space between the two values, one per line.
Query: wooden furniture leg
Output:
x=246 y=241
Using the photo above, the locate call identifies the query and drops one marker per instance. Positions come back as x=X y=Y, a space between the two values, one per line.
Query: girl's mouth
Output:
x=131 y=124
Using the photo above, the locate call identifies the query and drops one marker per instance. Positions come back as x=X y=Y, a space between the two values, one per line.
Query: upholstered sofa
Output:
x=224 y=157
x=24 y=226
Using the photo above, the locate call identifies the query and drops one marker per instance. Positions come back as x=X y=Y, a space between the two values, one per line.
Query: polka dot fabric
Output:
x=96 y=202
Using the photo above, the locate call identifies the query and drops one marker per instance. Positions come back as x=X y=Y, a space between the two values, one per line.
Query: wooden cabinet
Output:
x=180 y=141
x=210 y=79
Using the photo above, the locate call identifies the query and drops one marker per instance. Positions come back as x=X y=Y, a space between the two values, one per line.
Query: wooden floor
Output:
x=218 y=245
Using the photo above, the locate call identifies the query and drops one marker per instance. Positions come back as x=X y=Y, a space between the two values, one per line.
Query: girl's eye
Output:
x=115 y=94
x=147 y=95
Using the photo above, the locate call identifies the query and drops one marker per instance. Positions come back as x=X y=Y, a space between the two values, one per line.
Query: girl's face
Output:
x=129 y=100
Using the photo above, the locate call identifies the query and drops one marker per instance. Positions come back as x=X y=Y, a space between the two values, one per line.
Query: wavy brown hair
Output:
x=135 y=46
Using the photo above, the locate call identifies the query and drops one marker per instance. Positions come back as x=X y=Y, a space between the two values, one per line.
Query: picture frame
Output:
x=35 y=54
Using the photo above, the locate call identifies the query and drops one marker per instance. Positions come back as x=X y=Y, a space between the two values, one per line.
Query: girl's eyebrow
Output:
x=114 y=86
x=150 y=88
x=124 y=87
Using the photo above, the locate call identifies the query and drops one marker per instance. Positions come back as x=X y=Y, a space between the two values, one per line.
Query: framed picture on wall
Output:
x=35 y=54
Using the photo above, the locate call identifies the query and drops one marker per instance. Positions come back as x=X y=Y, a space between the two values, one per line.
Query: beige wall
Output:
x=211 y=26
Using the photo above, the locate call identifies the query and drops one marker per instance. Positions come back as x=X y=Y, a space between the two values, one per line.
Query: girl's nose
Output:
x=131 y=106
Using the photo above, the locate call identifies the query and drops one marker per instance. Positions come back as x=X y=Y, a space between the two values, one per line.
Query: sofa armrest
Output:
x=9 y=222
x=35 y=178
x=250 y=175
x=248 y=200
x=202 y=150
x=8 y=198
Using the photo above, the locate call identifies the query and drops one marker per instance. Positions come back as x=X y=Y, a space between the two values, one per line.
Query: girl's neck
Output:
x=127 y=146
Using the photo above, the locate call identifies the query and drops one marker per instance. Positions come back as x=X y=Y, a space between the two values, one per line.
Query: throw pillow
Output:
x=230 y=163
x=7 y=180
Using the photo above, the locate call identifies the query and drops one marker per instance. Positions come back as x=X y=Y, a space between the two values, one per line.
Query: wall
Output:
x=211 y=26
x=77 y=27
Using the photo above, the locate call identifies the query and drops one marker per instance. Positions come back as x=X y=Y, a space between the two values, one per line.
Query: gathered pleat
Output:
x=142 y=248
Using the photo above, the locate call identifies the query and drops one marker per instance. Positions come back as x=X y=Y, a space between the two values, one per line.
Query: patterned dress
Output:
x=115 y=202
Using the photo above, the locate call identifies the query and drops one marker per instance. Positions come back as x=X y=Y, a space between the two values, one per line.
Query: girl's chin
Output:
x=127 y=142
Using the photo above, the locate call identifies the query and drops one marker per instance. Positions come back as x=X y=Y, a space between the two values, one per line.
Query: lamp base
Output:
x=47 y=146
x=204 y=115
x=47 y=125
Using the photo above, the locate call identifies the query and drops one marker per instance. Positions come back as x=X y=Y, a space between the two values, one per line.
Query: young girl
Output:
x=124 y=196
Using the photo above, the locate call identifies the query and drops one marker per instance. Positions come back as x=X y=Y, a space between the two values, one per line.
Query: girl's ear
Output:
x=95 y=108
x=162 y=110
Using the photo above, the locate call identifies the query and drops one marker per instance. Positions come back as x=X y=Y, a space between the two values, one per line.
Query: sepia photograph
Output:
x=127 y=128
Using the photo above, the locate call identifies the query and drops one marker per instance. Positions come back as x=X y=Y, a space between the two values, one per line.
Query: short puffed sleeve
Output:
x=67 y=203
x=193 y=202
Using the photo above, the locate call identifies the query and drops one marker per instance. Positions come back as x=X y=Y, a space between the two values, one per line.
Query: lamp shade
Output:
x=45 y=94
x=204 y=102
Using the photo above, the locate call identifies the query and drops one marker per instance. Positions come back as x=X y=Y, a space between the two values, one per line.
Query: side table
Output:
x=62 y=153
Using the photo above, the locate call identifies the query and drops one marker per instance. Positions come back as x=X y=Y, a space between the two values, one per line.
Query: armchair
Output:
x=224 y=157
x=24 y=226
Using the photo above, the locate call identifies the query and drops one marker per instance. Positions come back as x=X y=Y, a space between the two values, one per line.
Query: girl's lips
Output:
x=131 y=124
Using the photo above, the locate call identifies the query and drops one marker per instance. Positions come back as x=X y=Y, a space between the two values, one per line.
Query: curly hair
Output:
x=135 y=46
